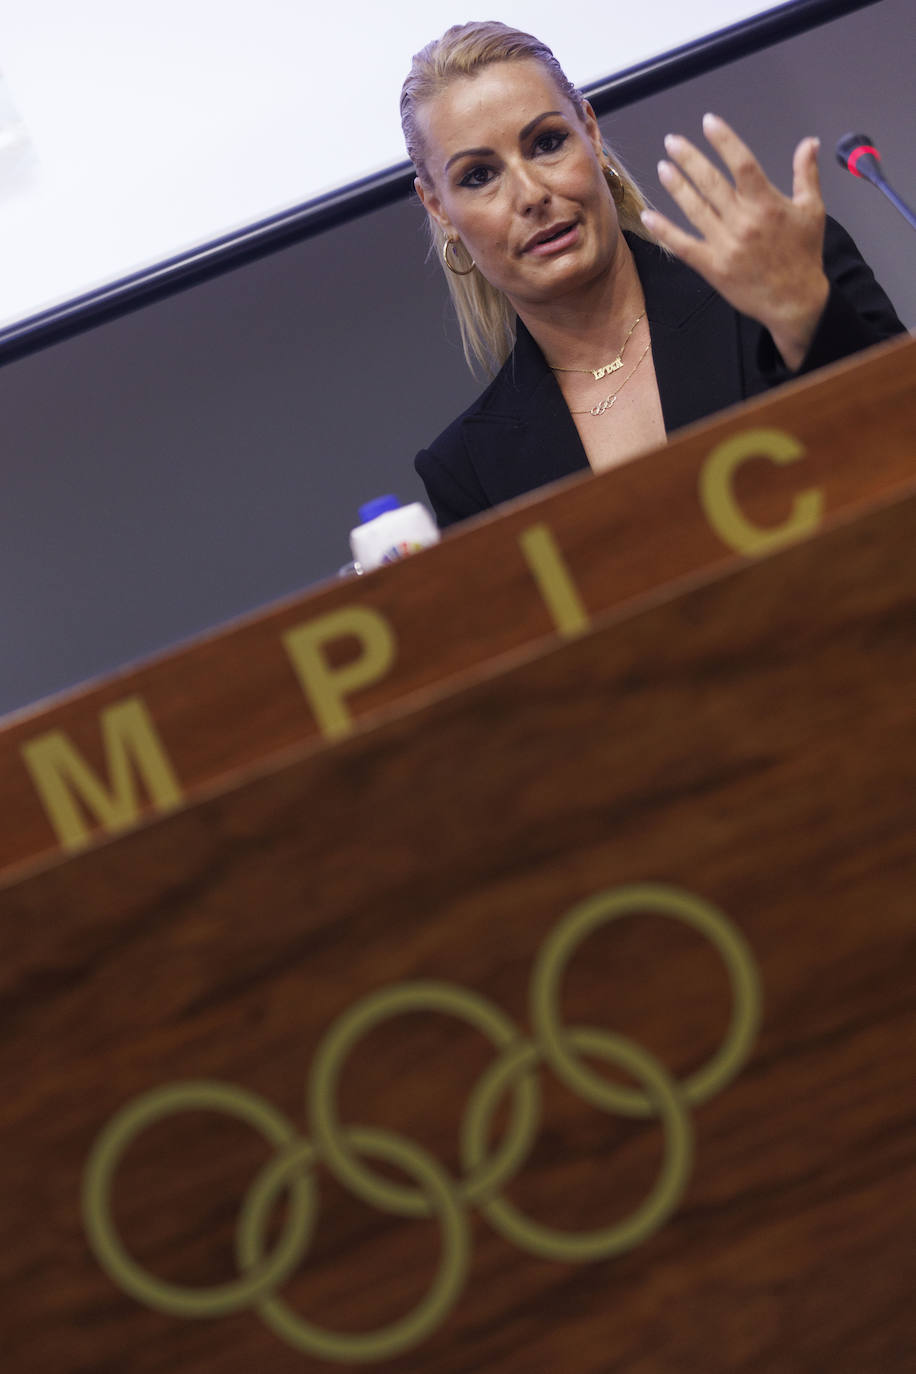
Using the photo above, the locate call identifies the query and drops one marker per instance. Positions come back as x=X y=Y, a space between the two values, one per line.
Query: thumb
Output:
x=806 y=180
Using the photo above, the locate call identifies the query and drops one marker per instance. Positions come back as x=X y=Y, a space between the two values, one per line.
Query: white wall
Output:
x=163 y=124
x=200 y=457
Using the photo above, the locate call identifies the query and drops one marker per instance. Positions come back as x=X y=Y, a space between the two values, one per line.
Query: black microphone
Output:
x=858 y=154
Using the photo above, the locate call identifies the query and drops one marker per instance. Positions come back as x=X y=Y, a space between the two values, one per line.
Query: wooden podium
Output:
x=505 y=962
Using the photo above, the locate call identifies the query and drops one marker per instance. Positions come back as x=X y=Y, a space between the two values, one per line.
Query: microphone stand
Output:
x=897 y=201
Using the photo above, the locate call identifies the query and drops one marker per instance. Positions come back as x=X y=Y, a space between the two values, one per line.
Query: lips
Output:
x=554 y=238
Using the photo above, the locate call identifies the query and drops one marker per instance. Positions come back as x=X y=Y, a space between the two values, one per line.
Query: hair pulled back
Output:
x=485 y=317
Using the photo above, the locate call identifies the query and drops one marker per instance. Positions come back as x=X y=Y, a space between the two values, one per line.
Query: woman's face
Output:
x=516 y=176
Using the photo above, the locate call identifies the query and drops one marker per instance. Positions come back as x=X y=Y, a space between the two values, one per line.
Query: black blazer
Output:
x=519 y=433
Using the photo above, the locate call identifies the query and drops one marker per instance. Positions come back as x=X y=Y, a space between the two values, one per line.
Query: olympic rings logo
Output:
x=343 y=1149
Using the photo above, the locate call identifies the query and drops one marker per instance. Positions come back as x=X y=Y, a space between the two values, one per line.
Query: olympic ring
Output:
x=106 y=1155
x=410 y=1330
x=338 y=1147
x=693 y=911
x=649 y=1216
x=418 y=996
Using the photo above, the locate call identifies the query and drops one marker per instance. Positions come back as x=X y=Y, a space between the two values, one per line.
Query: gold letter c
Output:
x=722 y=510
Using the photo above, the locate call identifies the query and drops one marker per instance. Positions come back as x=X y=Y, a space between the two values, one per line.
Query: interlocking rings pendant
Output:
x=604 y=405
x=342 y=1149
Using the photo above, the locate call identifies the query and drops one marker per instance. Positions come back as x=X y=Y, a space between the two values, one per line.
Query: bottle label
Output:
x=401 y=550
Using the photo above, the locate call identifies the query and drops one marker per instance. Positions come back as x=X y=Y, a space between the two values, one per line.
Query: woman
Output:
x=609 y=325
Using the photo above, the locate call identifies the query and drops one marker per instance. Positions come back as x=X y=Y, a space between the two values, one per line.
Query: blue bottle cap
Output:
x=377 y=507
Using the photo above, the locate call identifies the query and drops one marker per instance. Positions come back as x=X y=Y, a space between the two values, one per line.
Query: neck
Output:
x=585 y=328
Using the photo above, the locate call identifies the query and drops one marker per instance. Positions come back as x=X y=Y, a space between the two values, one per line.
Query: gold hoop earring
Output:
x=615 y=182
x=458 y=271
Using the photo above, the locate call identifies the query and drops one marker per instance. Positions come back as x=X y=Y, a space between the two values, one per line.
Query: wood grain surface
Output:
x=232 y=697
x=750 y=741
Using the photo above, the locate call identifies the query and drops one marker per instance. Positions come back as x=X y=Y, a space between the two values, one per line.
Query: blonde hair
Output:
x=485 y=317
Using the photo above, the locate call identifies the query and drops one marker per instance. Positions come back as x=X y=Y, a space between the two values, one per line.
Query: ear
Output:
x=591 y=128
x=431 y=204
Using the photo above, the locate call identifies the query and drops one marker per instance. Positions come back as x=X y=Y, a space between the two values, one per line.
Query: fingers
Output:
x=669 y=235
x=806 y=178
x=692 y=179
x=731 y=209
x=706 y=195
x=702 y=208
x=700 y=188
x=749 y=177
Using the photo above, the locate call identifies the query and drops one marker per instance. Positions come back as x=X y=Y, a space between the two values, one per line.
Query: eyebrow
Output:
x=522 y=135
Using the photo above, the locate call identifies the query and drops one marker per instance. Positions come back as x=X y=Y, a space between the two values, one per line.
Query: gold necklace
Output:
x=608 y=401
x=599 y=372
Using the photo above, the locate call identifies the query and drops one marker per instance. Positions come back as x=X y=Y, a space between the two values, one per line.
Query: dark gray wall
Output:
x=207 y=454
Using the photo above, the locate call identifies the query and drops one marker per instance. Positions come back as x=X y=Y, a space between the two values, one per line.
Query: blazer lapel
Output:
x=523 y=436
x=695 y=341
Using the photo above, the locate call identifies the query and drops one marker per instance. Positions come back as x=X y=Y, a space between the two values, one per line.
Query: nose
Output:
x=529 y=188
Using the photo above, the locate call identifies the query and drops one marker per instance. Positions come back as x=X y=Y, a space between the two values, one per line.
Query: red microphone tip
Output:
x=856 y=153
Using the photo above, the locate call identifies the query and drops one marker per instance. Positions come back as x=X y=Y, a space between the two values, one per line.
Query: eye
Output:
x=550 y=142
x=476 y=176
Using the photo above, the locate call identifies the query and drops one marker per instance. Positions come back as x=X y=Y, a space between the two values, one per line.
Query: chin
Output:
x=569 y=274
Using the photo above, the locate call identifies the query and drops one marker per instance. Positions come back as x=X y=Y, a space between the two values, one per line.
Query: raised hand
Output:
x=759 y=249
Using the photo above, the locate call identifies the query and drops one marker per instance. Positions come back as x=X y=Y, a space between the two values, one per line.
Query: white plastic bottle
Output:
x=389 y=531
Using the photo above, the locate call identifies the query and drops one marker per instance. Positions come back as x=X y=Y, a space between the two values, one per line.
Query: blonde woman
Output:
x=607 y=327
